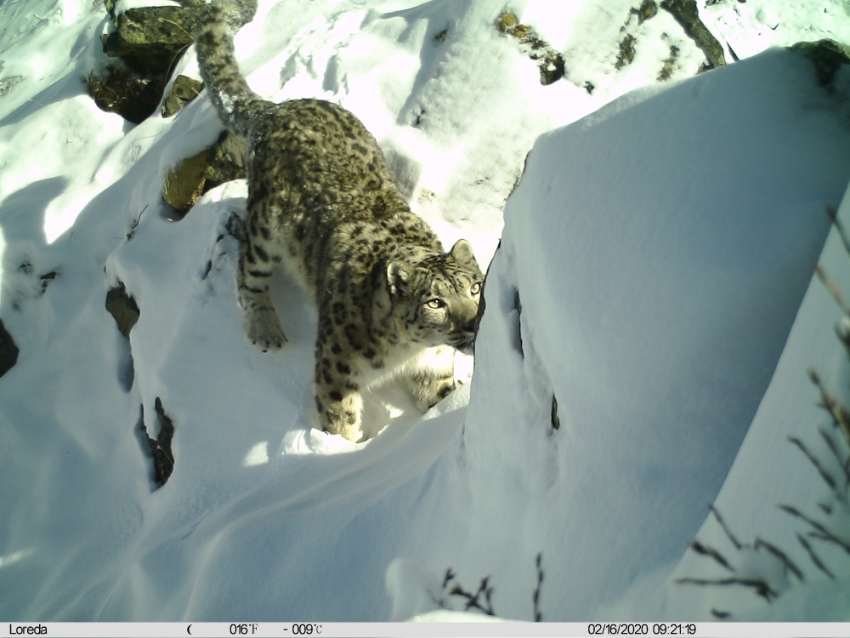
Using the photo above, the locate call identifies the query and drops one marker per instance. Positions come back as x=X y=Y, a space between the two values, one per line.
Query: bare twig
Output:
x=844 y=463
x=782 y=556
x=822 y=532
x=826 y=476
x=705 y=550
x=815 y=558
x=832 y=289
x=480 y=600
x=448 y=577
x=174 y=60
x=760 y=586
x=473 y=601
x=171 y=22
x=722 y=523
x=535 y=597
x=832 y=212
x=831 y=404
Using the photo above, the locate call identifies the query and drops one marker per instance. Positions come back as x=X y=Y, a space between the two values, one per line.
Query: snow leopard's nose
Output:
x=467 y=314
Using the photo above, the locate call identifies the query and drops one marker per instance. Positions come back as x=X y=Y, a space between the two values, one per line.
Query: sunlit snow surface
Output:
x=660 y=249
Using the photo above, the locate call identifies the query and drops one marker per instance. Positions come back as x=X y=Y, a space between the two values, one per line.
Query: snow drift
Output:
x=654 y=258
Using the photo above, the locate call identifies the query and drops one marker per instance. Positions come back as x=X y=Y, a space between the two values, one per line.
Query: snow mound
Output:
x=654 y=258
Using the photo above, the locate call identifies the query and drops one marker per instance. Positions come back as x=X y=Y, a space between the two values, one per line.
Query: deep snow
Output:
x=662 y=249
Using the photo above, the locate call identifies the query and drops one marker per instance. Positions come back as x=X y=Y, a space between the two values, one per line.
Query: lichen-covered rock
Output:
x=686 y=14
x=109 y=5
x=184 y=184
x=647 y=10
x=548 y=60
x=627 y=52
x=150 y=31
x=183 y=90
x=225 y=160
x=146 y=43
x=828 y=56
x=669 y=64
x=8 y=350
x=123 y=308
x=194 y=176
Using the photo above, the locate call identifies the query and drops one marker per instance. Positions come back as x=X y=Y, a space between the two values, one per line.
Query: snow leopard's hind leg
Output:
x=257 y=261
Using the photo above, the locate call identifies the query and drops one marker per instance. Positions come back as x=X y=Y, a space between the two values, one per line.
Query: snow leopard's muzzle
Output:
x=463 y=338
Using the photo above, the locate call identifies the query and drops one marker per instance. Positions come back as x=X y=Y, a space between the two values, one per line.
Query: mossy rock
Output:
x=184 y=184
x=138 y=30
x=8 y=350
x=194 y=176
x=225 y=160
x=183 y=91
x=827 y=56
x=146 y=44
x=506 y=22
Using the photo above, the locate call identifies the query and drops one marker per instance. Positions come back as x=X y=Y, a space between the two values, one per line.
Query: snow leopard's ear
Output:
x=462 y=252
x=398 y=274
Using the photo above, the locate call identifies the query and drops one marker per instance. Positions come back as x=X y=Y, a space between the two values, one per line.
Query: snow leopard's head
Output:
x=435 y=301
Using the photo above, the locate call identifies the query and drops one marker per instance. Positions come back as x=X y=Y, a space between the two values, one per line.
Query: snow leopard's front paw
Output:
x=428 y=393
x=264 y=331
x=431 y=378
x=339 y=411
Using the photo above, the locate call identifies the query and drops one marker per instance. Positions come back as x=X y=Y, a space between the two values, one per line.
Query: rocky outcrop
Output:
x=828 y=56
x=8 y=350
x=194 y=176
x=686 y=14
x=145 y=45
x=549 y=61
x=123 y=308
x=648 y=9
x=160 y=448
x=627 y=52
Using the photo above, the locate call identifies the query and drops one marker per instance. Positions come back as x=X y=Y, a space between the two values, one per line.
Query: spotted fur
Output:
x=321 y=199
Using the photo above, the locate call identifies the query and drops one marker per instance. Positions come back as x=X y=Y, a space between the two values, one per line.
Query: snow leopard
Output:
x=322 y=201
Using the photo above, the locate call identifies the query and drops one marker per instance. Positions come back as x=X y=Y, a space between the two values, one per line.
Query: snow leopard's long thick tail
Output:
x=227 y=88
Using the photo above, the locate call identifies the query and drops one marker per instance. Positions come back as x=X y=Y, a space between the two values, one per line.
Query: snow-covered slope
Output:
x=648 y=278
x=660 y=247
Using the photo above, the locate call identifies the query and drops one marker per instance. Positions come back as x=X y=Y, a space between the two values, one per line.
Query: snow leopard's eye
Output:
x=435 y=304
x=475 y=288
